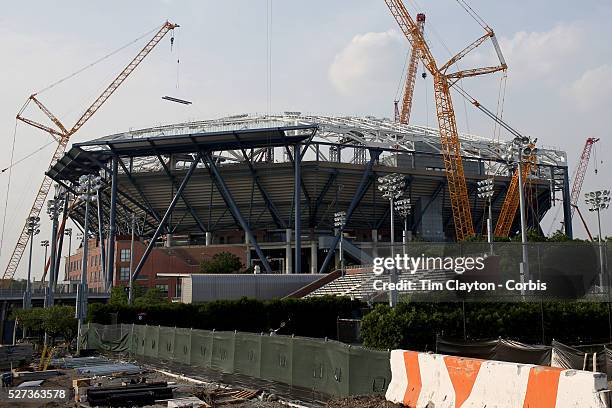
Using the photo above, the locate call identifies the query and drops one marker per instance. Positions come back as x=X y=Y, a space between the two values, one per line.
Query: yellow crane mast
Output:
x=413 y=63
x=511 y=201
x=62 y=135
x=449 y=135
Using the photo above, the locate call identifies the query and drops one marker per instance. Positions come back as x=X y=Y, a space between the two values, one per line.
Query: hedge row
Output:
x=314 y=317
x=415 y=326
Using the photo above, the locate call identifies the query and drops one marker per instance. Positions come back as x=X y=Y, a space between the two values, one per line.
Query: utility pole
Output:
x=33 y=229
x=68 y=233
x=402 y=206
x=599 y=201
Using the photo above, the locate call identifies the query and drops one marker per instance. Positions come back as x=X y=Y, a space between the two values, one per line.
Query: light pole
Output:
x=599 y=201
x=485 y=190
x=402 y=206
x=519 y=148
x=339 y=221
x=55 y=207
x=392 y=188
x=87 y=189
x=68 y=233
x=33 y=225
x=45 y=244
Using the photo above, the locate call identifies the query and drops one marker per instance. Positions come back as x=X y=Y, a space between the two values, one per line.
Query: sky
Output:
x=342 y=57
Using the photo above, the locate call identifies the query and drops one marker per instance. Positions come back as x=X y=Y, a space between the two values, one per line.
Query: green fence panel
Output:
x=277 y=358
x=182 y=345
x=308 y=366
x=336 y=368
x=247 y=354
x=201 y=348
x=223 y=351
x=369 y=371
x=166 y=343
x=322 y=366
x=152 y=341
x=139 y=339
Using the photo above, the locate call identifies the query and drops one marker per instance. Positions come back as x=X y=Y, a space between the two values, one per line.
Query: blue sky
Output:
x=329 y=57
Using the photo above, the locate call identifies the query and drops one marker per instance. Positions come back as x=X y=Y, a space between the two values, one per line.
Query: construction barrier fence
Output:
x=325 y=366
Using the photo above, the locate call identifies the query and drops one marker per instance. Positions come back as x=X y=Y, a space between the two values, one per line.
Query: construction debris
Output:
x=109 y=369
x=35 y=375
x=129 y=395
x=187 y=402
x=15 y=356
x=220 y=397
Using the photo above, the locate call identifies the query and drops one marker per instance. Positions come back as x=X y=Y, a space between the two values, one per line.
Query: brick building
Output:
x=173 y=259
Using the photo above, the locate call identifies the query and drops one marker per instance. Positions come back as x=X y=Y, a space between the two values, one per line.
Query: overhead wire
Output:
x=8 y=188
x=96 y=61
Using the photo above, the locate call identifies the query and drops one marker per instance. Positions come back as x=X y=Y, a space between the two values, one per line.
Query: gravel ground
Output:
x=362 y=402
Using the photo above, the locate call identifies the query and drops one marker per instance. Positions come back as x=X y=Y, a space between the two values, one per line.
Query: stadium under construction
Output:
x=273 y=183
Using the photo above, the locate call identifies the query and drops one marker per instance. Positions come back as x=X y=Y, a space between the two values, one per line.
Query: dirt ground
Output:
x=362 y=402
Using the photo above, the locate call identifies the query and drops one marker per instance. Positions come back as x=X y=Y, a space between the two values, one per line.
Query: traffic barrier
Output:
x=421 y=380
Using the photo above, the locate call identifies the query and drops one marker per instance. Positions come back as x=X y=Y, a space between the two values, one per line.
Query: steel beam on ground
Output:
x=366 y=180
x=229 y=200
x=166 y=216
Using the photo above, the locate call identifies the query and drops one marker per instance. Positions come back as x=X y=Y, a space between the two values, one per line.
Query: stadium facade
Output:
x=235 y=182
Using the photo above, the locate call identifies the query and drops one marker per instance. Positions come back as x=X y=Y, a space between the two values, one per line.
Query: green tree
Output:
x=119 y=295
x=153 y=296
x=222 y=262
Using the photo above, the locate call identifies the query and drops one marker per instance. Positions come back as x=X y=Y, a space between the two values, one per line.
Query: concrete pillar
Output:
x=374 y=243
x=168 y=242
x=288 y=255
x=314 y=259
x=209 y=238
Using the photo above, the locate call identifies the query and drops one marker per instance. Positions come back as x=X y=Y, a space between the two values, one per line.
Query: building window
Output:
x=124 y=255
x=124 y=273
x=178 y=288
x=163 y=288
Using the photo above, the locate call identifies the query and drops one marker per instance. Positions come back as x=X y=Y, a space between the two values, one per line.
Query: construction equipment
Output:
x=443 y=80
x=62 y=135
x=581 y=172
x=403 y=116
x=578 y=179
x=511 y=201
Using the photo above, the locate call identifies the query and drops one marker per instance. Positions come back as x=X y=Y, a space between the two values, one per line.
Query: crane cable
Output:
x=13 y=164
x=97 y=61
x=8 y=188
x=473 y=14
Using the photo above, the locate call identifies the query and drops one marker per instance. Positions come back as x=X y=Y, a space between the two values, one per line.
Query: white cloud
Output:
x=543 y=55
x=592 y=89
x=368 y=63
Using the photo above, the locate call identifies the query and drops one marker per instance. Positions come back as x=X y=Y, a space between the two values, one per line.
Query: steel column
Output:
x=166 y=216
x=101 y=240
x=567 y=207
x=366 y=179
x=229 y=200
x=112 y=223
x=297 y=187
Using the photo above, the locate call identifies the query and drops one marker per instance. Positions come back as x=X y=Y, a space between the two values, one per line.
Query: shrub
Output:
x=316 y=317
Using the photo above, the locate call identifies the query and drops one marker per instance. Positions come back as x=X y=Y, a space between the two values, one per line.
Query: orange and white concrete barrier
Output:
x=422 y=380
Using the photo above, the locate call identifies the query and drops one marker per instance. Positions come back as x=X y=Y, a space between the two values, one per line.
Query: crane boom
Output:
x=511 y=201
x=583 y=164
x=404 y=115
x=63 y=136
x=449 y=135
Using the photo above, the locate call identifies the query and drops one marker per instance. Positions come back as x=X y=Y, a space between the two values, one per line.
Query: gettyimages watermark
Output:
x=463 y=270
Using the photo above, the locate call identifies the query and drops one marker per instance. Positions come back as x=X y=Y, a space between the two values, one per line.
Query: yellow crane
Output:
x=62 y=135
x=403 y=116
x=449 y=135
